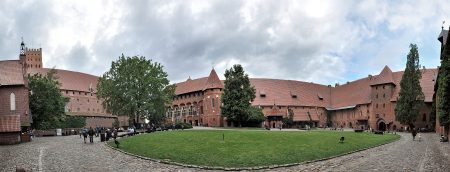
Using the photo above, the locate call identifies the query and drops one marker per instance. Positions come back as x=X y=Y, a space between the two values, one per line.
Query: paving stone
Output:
x=69 y=153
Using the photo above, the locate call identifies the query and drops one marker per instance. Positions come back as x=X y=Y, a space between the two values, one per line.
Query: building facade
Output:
x=80 y=88
x=367 y=103
x=14 y=107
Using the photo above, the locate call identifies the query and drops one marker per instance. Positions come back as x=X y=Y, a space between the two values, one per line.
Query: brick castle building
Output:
x=366 y=103
x=80 y=88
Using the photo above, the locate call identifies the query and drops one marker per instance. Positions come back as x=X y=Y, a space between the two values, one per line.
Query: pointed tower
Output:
x=22 y=54
x=213 y=81
x=385 y=77
x=29 y=57
x=382 y=90
x=212 y=92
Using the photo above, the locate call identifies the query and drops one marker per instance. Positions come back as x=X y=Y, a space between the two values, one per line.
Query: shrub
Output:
x=182 y=125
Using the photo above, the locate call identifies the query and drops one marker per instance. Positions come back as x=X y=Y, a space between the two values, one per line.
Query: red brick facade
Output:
x=367 y=103
x=14 y=106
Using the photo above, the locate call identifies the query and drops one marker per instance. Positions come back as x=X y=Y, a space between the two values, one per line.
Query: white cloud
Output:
x=319 y=41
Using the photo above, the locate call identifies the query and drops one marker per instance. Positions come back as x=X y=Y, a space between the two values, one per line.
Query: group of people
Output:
x=98 y=131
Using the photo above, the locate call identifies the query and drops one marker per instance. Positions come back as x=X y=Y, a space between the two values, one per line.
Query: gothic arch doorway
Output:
x=381 y=126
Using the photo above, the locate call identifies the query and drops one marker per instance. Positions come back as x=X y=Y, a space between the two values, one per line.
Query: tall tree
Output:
x=136 y=87
x=46 y=102
x=237 y=95
x=443 y=92
x=411 y=97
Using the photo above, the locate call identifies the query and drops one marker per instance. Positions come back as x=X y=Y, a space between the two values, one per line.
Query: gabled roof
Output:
x=70 y=80
x=200 y=84
x=213 y=81
x=11 y=73
x=385 y=77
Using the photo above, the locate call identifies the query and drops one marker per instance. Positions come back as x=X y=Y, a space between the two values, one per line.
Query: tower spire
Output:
x=22 y=47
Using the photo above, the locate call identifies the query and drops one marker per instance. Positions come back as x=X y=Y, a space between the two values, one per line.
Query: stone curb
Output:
x=245 y=168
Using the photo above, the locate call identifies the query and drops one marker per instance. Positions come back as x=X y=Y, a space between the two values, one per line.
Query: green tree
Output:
x=289 y=120
x=46 y=102
x=136 y=87
x=411 y=97
x=74 y=122
x=443 y=92
x=256 y=116
x=237 y=95
x=116 y=123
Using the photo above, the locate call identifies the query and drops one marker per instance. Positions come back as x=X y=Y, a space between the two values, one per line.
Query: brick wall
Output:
x=99 y=121
x=84 y=102
x=9 y=138
x=211 y=111
x=22 y=105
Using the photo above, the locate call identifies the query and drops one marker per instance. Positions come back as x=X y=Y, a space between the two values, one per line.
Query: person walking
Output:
x=85 y=134
x=91 y=135
x=414 y=133
x=115 y=134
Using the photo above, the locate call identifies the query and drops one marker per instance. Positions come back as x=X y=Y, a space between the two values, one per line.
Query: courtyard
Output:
x=69 y=153
x=248 y=148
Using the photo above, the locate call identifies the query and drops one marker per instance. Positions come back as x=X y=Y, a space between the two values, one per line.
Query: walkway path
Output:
x=69 y=153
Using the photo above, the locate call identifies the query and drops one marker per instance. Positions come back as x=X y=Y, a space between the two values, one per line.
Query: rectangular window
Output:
x=212 y=102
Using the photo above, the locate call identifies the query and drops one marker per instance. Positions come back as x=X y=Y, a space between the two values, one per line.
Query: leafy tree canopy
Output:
x=136 y=87
x=443 y=92
x=237 y=97
x=46 y=102
x=411 y=97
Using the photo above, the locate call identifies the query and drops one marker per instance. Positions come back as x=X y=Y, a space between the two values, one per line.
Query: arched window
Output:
x=12 y=99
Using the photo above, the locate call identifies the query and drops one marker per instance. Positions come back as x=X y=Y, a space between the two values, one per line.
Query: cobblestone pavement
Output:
x=69 y=153
x=404 y=155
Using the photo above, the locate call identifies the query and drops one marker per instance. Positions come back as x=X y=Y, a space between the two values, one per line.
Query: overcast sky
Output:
x=314 y=41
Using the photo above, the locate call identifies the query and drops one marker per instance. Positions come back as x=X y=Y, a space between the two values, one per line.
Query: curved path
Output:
x=69 y=153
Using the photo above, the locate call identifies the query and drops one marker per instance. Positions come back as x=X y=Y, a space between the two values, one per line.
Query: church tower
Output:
x=30 y=57
x=212 y=95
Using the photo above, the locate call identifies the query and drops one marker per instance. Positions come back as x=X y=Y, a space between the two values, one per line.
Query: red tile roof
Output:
x=213 y=81
x=190 y=85
x=200 y=84
x=426 y=82
x=71 y=80
x=385 y=77
x=302 y=115
x=352 y=93
x=11 y=73
x=9 y=123
x=280 y=93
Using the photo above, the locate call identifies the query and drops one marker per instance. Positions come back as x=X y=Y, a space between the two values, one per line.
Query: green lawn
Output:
x=243 y=148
